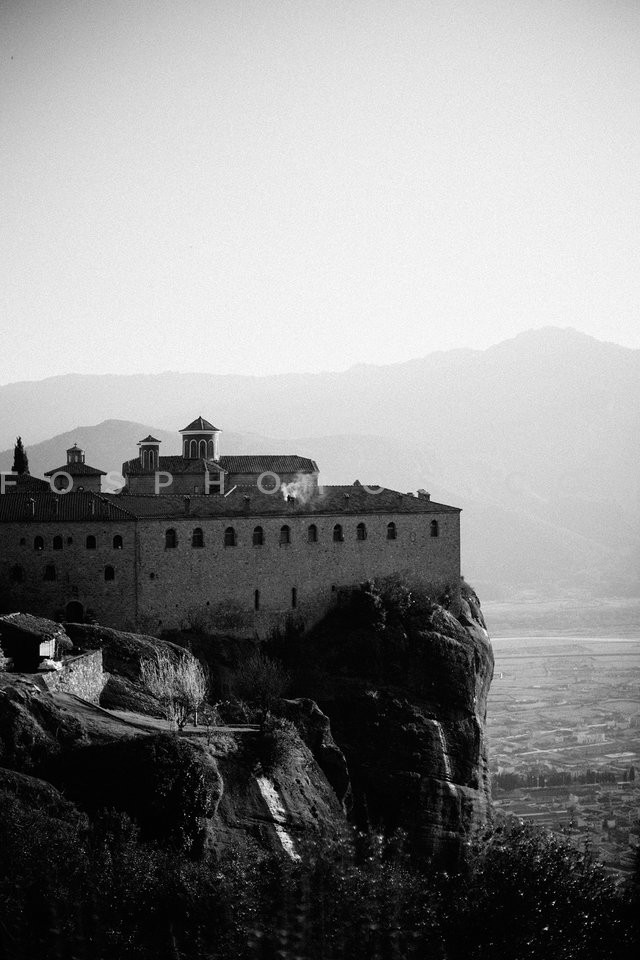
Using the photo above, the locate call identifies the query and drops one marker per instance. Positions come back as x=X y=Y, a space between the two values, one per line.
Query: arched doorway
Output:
x=74 y=612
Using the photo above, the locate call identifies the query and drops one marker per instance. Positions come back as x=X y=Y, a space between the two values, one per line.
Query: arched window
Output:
x=17 y=574
x=202 y=449
x=193 y=449
x=230 y=537
x=361 y=531
x=91 y=542
x=50 y=572
x=434 y=528
x=57 y=543
x=38 y=543
x=338 y=535
x=197 y=537
x=117 y=542
x=258 y=536
x=285 y=534
x=210 y=448
x=392 y=533
x=256 y=600
x=170 y=539
x=109 y=573
x=312 y=533
x=294 y=597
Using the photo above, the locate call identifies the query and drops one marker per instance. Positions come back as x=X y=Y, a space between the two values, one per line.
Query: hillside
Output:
x=536 y=438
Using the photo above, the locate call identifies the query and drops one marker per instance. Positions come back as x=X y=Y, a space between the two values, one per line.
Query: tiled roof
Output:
x=200 y=425
x=276 y=462
x=173 y=464
x=59 y=507
x=259 y=463
x=249 y=501
x=150 y=439
x=78 y=470
x=24 y=483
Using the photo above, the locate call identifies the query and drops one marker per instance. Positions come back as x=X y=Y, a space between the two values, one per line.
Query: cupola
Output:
x=75 y=454
x=200 y=440
x=149 y=453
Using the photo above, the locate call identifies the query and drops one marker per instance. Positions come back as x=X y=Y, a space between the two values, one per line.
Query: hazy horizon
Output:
x=268 y=186
x=337 y=369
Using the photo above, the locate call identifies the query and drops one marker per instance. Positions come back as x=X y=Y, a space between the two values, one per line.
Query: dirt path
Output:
x=116 y=724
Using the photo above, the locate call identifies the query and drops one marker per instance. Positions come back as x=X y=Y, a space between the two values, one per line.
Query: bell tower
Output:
x=149 y=453
x=200 y=440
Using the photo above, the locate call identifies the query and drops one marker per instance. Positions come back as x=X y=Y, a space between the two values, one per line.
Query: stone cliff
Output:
x=404 y=682
x=384 y=730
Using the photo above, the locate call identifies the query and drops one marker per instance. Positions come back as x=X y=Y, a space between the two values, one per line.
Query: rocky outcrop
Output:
x=284 y=807
x=394 y=737
x=404 y=683
x=32 y=728
x=35 y=794
x=314 y=729
x=122 y=655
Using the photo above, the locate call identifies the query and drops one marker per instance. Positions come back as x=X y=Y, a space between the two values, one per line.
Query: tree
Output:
x=20 y=459
x=179 y=684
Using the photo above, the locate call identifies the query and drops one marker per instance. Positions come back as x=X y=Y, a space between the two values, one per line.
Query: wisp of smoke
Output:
x=301 y=488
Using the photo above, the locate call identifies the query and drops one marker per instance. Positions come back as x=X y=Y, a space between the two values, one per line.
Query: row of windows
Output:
x=17 y=574
x=230 y=537
x=258 y=539
x=90 y=543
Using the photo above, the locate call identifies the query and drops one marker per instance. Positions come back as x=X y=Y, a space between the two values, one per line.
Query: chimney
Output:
x=423 y=495
x=187 y=506
x=32 y=507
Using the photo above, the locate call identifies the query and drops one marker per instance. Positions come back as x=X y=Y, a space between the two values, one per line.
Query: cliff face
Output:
x=405 y=687
x=397 y=740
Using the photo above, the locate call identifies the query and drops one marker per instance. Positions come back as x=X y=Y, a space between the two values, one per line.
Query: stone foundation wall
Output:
x=82 y=675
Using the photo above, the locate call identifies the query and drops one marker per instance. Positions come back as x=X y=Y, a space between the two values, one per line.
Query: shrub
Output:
x=180 y=685
x=261 y=679
x=276 y=743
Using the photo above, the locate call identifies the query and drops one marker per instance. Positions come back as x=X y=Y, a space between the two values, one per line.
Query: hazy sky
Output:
x=270 y=185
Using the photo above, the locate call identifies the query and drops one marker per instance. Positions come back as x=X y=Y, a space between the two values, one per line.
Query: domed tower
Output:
x=149 y=453
x=200 y=440
x=75 y=454
x=76 y=474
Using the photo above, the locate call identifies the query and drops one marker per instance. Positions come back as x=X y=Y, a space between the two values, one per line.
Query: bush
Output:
x=528 y=893
x=180 y=685
x=276 y=743
x=262 y=680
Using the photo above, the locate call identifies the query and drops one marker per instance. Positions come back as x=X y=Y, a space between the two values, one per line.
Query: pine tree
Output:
x=20 y=459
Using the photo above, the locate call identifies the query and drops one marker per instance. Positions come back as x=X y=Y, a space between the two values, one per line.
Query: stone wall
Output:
x=156 y=587
x=82 y=675
x=80 y=572
x=179 y=582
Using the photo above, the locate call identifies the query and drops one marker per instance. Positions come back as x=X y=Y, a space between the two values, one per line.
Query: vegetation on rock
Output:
x=180 y=685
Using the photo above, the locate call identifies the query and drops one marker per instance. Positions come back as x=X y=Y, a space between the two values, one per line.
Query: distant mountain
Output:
x=537 y=438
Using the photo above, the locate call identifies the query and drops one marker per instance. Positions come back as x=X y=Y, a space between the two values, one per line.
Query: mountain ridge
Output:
x=538 y=444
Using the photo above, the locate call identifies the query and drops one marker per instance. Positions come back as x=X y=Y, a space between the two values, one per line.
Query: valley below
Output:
x=563 y=724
